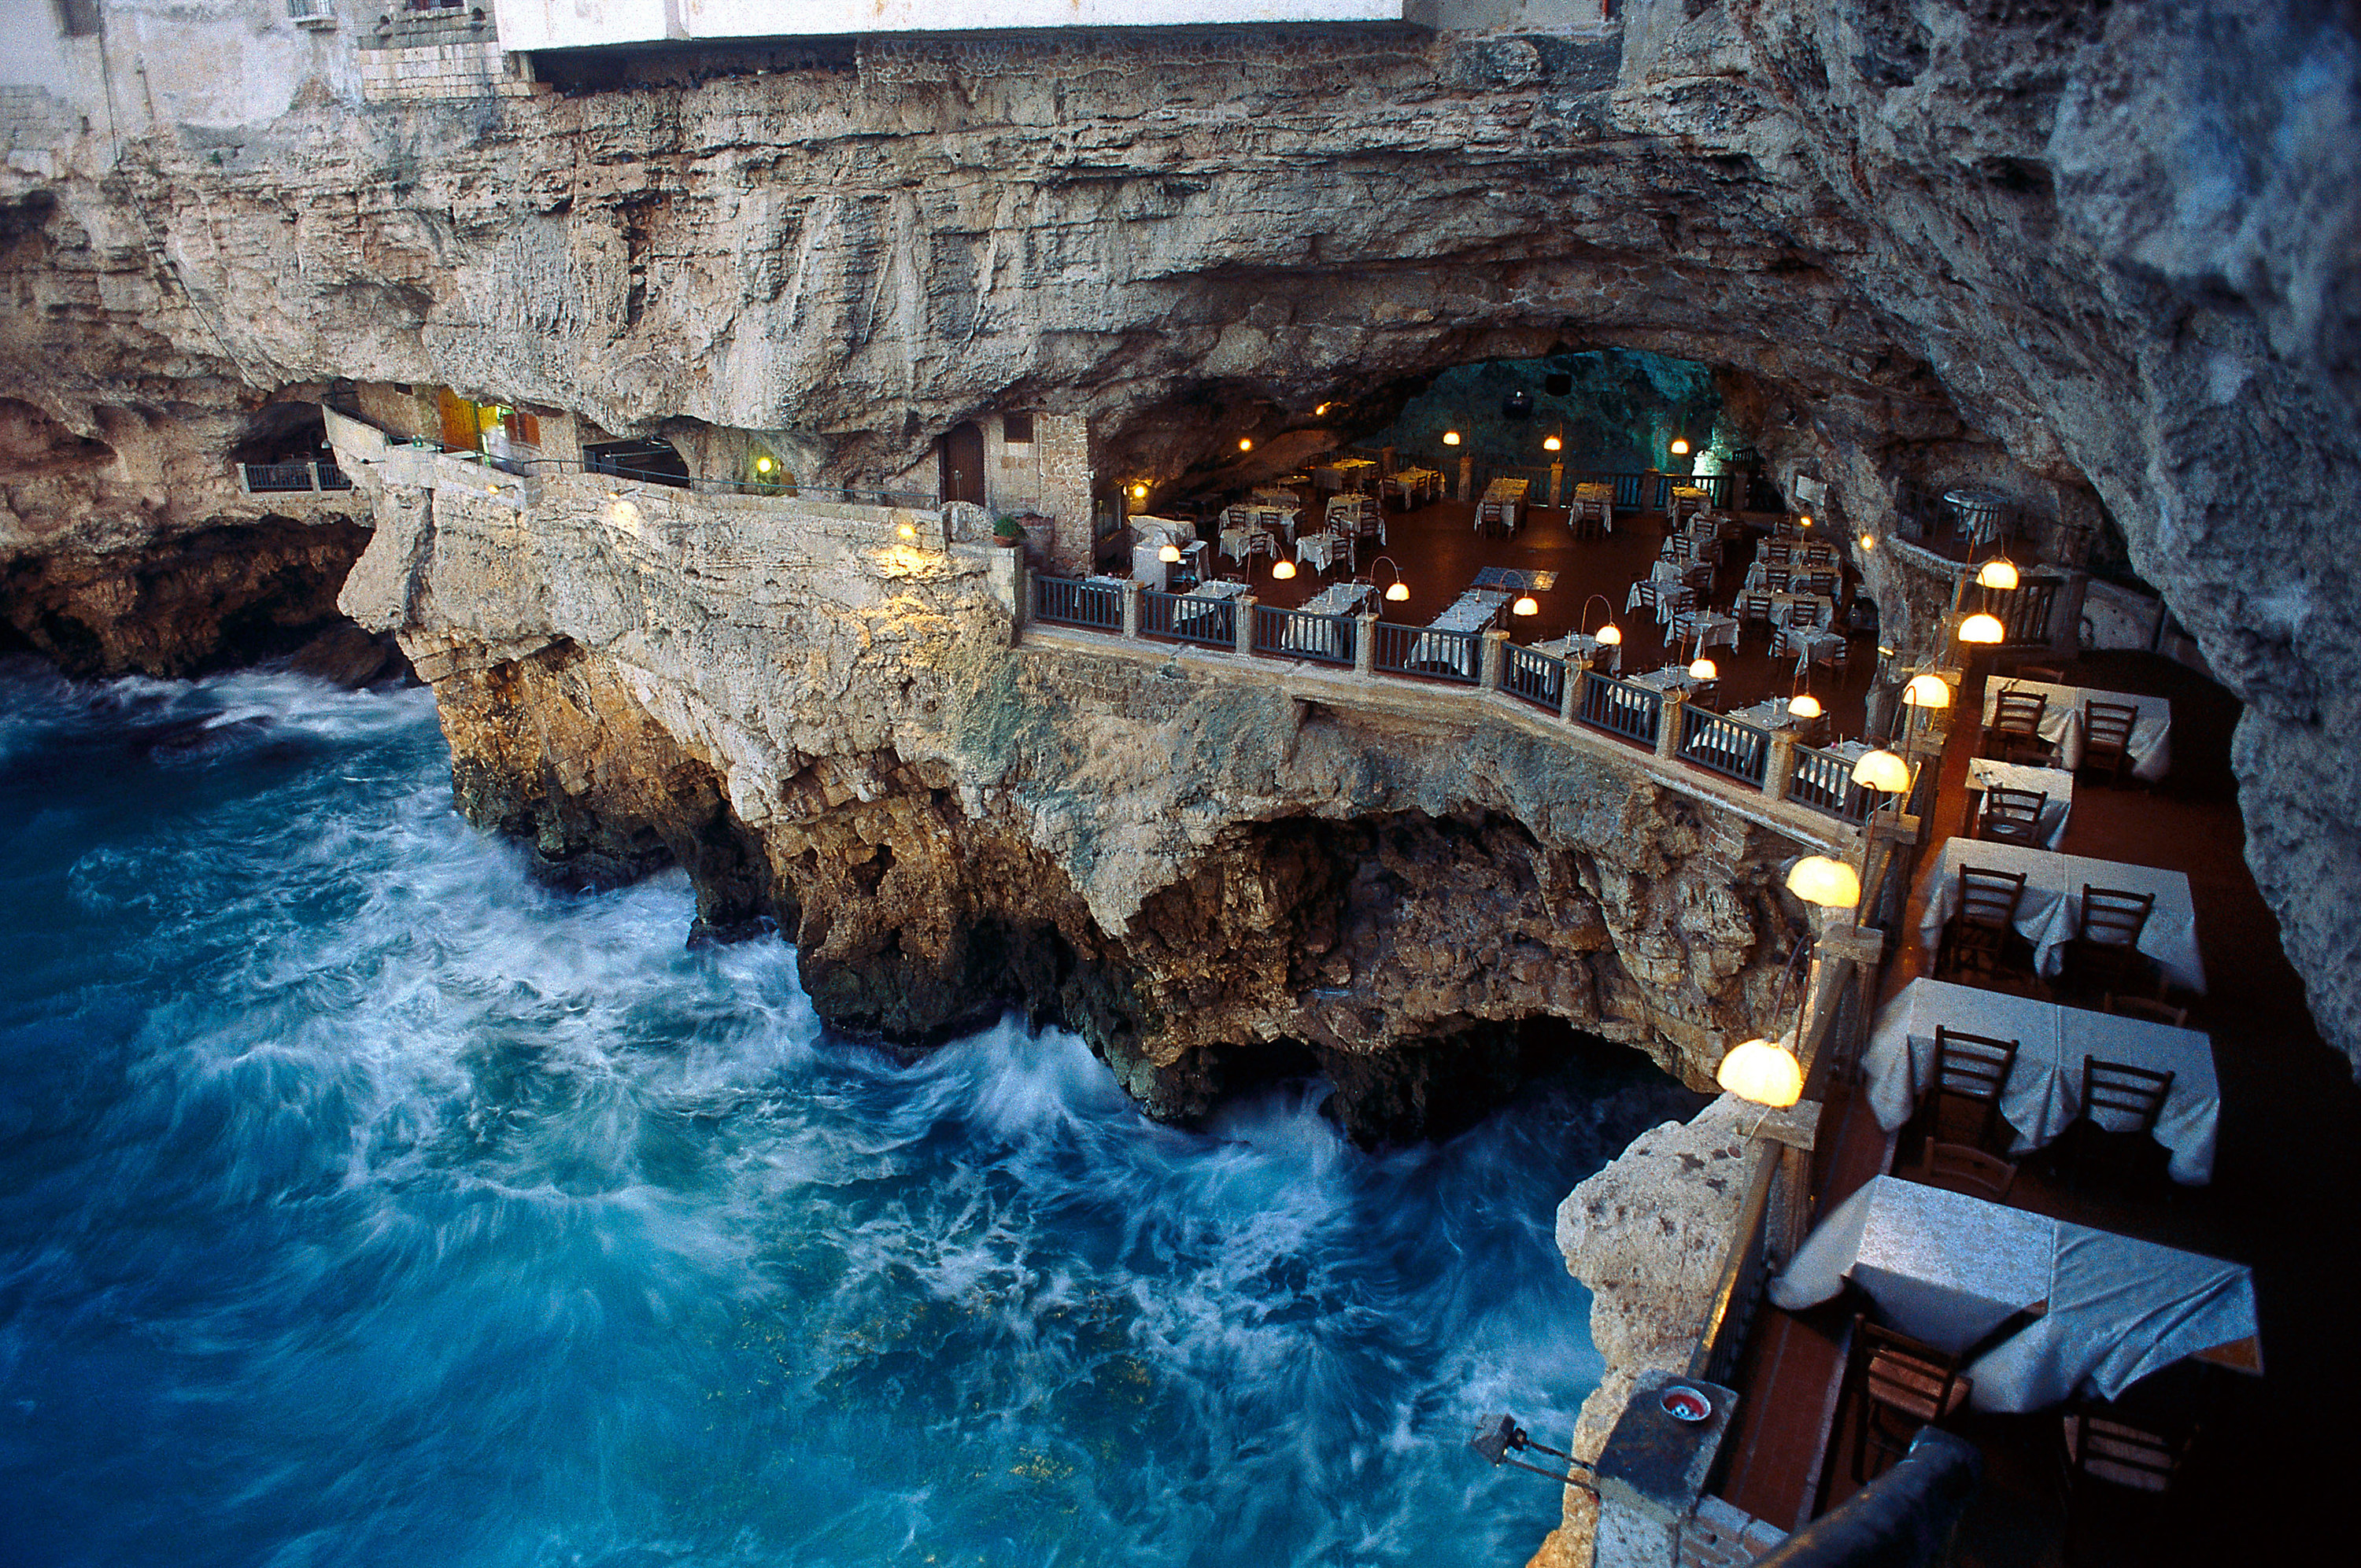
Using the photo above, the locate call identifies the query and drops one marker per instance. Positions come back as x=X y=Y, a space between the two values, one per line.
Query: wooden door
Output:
x=460 y=428
x=962 y=453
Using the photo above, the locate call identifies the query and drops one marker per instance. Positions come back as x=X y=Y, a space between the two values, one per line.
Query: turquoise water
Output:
x=363 y=1203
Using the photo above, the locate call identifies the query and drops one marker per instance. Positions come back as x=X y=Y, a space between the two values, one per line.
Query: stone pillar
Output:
x=1365 y=645
x=1653 y=1470
x=1131 y=608
x=1569 y=702
x=1779 y=768
x=1494 y=661
x=1668 y=725
x=1466 y=476
x=1245 y=628
x=1557 y=483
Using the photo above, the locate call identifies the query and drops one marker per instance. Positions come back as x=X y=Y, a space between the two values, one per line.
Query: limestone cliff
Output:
x=2102 y=254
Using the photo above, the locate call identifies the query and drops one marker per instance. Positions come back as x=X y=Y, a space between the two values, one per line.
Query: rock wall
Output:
x=2102 y=246
x=1211 y=877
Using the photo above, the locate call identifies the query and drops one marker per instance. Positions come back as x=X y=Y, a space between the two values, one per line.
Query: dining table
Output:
x=1576 y=645
x=2055 y=785
x=1416 y=486
x=1599 y=501
x=1811 y=644
x=2049 y=910
x=2044 y=1091
x=1330 y=635
x=2063 y=715
x=2043 y=1310
x=1503 y=503
x=1709 y=628
x=1688 y=499
x=1319 y=551
x=1238 y=541
x=1471 y=612
x=1202 y=601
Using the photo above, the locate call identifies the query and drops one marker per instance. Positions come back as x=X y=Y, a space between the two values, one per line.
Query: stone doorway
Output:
x=962 y=457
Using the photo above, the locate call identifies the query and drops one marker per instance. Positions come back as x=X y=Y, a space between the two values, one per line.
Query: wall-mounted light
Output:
x=1868 y=542
x=1245 y=443
x=1139 y=492
x=1680 y=446
x=1322 y=412
x=1804 y=519
x=1450 y=438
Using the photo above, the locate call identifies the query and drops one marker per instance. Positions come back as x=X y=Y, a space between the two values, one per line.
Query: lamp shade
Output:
x=1611 y=636
x=1981 y=628
x=1831 y=884
x=1139 y=492
x=1552 y=443
x=1170 y=554
x=1883 y=771
x=1398 y=590
x=1527 y=604
x=1450 y=438
x=1704 y=670
x=1998 y=573
x=1928 y=691
x=1763 y=1072
x=1282 y=568
x=1680 y=446
x=1803 y=705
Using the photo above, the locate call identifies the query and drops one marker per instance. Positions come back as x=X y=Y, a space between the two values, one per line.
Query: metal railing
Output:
x=1618 y=706
x=1727 y=746
x=1823 y=780
x=1538 y=678
x=1715 y=485
x=2026 y=611
x=1296 y=633
x=1067 y=601
x=848 y=494
x=1188 y=617
x=1745 y=1268
x=1422 y=650
x=289 y=478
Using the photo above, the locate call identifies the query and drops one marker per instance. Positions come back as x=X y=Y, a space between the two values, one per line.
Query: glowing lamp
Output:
x=764 y=464
x=1882 y=771
x=1245 y=443
x=1804 y=519
x=1867 y=541
x=1450 y=438
x=1981 y=628
x=1552 y=443
x=1282 y=568
x=1831 y=884
x=1680 y=446
x=1703 y=670
x=1928 y=691
x=1762 y=1072
x=909 y=531
x=1611 y=636
x=1399 y=591
x=1527 y=604
x=1803 y=705
x=1322 y=412
x=1170 y=554
x=1997 y=573
x=1139 y=492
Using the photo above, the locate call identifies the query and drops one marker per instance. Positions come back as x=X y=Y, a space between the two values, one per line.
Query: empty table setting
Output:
x=1416 y=486
x=2063 y=717
x=1574 y=645
x=2050 y=906
x=2055 y=783
x=2045 y=1309
x=1472 y=611
x=1319 y=551
x=1325 y=636
x=2043 y=1094
x=1503 y=504
x=1198 y=602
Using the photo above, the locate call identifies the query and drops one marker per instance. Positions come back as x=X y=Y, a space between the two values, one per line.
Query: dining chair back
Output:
x=2107 y=736
x=1984 y=920
x=2148 y=1009
x=1971 y=1071
x=2102 y=1445
x=1755 y=609
x=2011 y=816
x=1819 y=583
x=1777 y=551
x=1803 y=614
x=2103 y=954
x=1962 y=1167
x=1901 y=1384
x=1777 y=579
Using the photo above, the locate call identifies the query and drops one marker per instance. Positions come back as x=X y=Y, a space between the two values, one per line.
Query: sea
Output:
x=364 y=1201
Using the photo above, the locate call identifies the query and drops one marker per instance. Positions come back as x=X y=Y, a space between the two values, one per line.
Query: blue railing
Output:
x=1823 y=780
x=1727 y=746
x=290 y=478
x=1538 y=678
x=1188 y=617
x=1618 y=706
x=1422 y=650
x=1069 y=602
x=1300 y=634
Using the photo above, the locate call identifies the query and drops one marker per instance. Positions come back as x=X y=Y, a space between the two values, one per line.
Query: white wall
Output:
x=575 y=24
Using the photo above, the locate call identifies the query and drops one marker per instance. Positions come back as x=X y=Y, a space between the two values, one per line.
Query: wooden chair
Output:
x=1970 y=1071
x=2148 y=1009
x=2107 y=737
x=1777 y=551
x=1899 y=1385
x=1699 y=579
x=1820 y=732
x=1786 y=527
x=2127 y=1095
x=2103 y=954
x=1819 y=583
x=1984 y=923
x=2014 y=731
x=1836 y=653
x=2101 y=1444
x=1777 y=579
x=1804 y=616
x=2048 y=673
x=1963 y=1168
x=1755 y=609
x=2011 y=816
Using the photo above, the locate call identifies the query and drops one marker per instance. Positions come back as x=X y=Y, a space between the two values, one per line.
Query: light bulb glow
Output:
x=1552 y=443
x=1399 y=591
x=1139 y=492
x=1703 y=670
x=909 y=531
x=1450 y=438
x=1245 y=443
x=1282 y=569
x=1882 y=771
x=1998 y=573
x=1680 y=446
x=1867 y=541
x=1611 y=636
x=1982 y=628
x=1803 y=705
x=764 y=464
x=1170 y=554
x=1928 y=691
x=1831 y=884
x=1527 y=604
x=1762 y=1072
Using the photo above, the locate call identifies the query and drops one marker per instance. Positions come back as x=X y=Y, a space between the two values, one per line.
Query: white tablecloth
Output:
x=1321 y=550
x=1671 y=678
x=1599 y=498
x=2052 y=904
x=1784 y=606
x=1949 y=1270
x=1471 y=611
x=1758 y=576
x=1771 y=713
x=1340 y=598
x=1984 y=773
x=1503 y=502
x=2044 y=1086
x=1198 y=602
x=1806 y=644
x=1719 y=631
x=2061 y=723
x=1416 y=486
x=1653 y=593
x=1576 y=646
x=1235 y=541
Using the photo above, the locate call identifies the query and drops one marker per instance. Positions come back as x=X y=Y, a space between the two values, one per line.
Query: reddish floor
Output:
x=2268 y=1463
x=1438 y=553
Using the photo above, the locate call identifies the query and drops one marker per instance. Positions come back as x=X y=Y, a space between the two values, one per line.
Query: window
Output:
x=80 y=18
x=1016 y=429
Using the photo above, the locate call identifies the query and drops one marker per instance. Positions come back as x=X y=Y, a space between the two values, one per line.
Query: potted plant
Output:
x=1009 y=532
